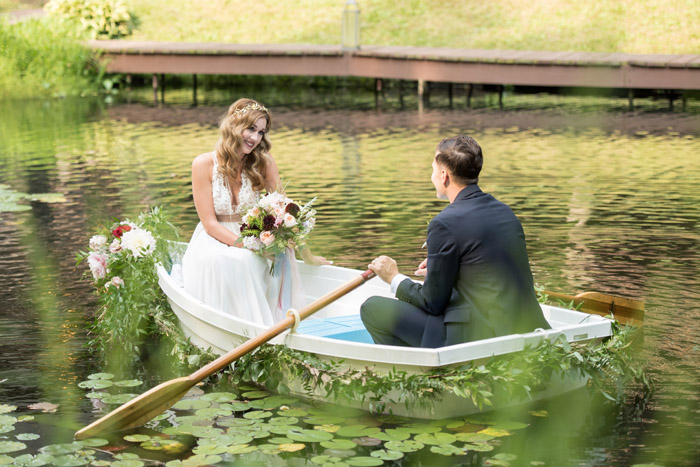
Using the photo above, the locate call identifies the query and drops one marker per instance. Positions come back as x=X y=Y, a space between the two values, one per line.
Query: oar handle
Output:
x=279 y=328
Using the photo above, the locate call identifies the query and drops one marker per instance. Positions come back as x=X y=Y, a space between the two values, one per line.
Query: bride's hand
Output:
x=312 y=259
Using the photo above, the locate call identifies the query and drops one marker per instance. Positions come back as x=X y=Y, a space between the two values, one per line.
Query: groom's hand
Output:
x=422 y=268
x=385 y=268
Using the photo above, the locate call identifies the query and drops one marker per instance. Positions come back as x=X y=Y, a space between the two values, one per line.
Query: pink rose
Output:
x=267 y=237
x=115 y=246
x=116 y=282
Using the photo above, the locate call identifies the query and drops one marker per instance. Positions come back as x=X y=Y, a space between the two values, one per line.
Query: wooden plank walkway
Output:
x=576 y=69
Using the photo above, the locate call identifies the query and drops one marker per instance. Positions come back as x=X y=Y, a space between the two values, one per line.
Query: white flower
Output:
x=252 y=243
x=98 y=242
x=98 y=264
x=289 y=220
x=139 y=242
x=115 y=246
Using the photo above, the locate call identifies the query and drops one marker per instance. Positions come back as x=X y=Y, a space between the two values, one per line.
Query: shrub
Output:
x=43 y=57
x=97 y=19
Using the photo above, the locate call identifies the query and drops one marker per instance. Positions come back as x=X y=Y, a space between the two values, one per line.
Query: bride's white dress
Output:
x=236 y=280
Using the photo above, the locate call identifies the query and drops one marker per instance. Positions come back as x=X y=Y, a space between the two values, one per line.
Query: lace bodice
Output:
x=223 y=203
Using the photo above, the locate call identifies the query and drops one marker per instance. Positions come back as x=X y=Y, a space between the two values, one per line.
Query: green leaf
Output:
x=118 y=398
x=339 y=444
x=219 y=397
x=5 y=408
x=448 y=450
x=257 y=414
x=309 y=436
x=404 y=446
x=364 y=461
x=393 y=434
x=94 y=442
x=96 y=384
x=357 y=431
x=255 y=394
x=387 y=455
x=129 y=383
x=241 y=449
x=101 y=376
x=435 y=438
x=27 y=436
x=137 y=438
x=191 y=404
x=11 y=446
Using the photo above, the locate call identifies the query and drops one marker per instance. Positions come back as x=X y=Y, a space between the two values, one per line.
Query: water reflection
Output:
x=609 y=201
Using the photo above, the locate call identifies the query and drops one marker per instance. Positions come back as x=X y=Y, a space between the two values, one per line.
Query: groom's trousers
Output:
x=394 y=322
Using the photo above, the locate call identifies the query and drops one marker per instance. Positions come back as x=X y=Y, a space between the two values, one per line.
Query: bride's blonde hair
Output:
x=243 y=114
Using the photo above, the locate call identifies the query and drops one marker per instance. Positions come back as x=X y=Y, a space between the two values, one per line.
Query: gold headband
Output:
x=252 y=106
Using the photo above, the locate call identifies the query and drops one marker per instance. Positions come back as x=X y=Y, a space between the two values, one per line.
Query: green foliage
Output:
x=97 y=19
x=132 y=308
x=43 y=58
x=611 y=366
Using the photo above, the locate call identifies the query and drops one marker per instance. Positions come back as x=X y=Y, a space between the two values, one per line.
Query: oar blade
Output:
x=624 y=310
x=139 y=410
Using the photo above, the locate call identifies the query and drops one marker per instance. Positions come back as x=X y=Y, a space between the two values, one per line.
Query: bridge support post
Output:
x=470 y=91
x=162 y=88
x=155 y=88
x=630 y=99
x=194 y=90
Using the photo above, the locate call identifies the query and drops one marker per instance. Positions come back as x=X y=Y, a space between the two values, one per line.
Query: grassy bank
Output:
x=41 y=57
x=642 y=26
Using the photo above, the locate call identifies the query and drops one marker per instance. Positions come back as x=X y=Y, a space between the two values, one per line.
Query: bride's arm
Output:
x=202 y=167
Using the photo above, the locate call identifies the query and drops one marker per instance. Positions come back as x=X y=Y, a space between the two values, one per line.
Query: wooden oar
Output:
x=625 y=310
x=143 y=408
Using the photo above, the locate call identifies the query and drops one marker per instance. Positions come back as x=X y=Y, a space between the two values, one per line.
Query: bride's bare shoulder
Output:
x=203 y=161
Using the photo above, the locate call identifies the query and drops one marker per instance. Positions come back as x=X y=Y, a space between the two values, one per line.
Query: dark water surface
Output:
x=609 y=200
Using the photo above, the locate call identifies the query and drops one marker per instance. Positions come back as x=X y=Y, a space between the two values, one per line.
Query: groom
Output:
x=478 y=282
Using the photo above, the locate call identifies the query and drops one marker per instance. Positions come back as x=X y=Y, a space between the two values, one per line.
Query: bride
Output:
x=216 y=268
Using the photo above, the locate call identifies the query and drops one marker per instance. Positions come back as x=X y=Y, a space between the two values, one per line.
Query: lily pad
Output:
x=404 y=446
x=272 y=402
x=280 y=440
x=282 y=429
x=324 y=420
x=60 y=449
x=237 y=406
x=418 y=428
x=269 y=448
x=94 y=442
x=126 y=463
x=257 y=414
x=507 y=426
x=219 y=397
x=328 y=460
x=328 y=428
x=282 y=421
x=364 y=461
x=448 y=450
x=11 y=446
x=195 y=461
x=255 y=394
x=309 y=436
x=227 y=440
x=210 y=449
x=191 y=404
x=241 y=449
x=194 y=420
x=27 y=436
x=6 y=408
x=435 y=439
x=393 y=434
x=30 y=460
x=118 y=398
x=7 y=420
x=367 y=441
x=338 y=444
x=163 y=444
x=96 y=384
x=128 y=383
x=213 y=412
x=291 y=447
x=6 y=428
x=495 y=432
x=357 y=431
x=200 y=431
x=474 y=437
x=386 y=455
x=97 y=394
x=233 y=422
x=137 y=438
x=101 y=376
x=478 y=447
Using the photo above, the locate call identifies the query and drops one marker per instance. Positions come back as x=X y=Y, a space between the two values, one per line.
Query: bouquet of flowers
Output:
x=276 y=223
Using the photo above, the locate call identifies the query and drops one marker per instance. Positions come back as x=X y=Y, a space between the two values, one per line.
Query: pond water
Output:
x=610 y=202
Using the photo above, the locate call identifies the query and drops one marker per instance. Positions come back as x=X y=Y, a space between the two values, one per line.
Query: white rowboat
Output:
x=336 y=333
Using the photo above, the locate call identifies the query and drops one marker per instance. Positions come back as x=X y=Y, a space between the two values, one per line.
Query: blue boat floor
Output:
x=346 y=328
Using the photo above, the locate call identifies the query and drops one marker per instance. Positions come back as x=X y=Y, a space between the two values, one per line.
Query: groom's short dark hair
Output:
x=461 y=156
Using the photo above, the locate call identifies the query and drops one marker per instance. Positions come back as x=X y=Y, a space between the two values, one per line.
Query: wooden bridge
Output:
x=421 y=64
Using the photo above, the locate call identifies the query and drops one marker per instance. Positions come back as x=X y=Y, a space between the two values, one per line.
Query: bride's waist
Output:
x=229 y=218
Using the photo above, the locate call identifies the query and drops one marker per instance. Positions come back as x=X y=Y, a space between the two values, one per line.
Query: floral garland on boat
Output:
x=132 y=309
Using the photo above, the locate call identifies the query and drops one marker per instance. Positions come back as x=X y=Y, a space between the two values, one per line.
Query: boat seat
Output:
x=346 y=328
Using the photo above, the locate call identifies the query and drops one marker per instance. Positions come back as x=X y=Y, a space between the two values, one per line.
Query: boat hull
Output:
x=220 y=332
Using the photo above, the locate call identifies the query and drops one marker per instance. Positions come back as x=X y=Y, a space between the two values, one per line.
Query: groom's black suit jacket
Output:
x=478 y=273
